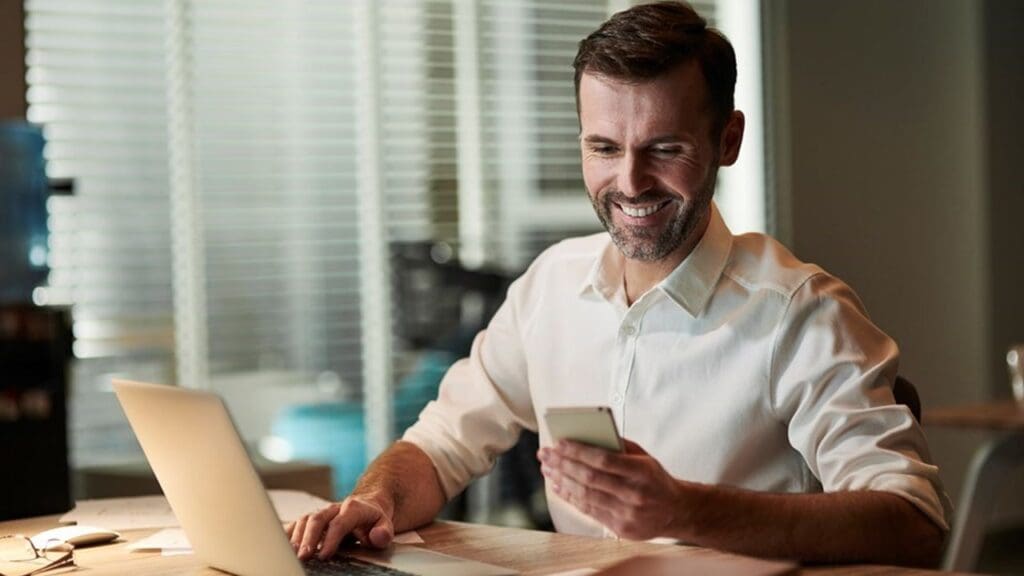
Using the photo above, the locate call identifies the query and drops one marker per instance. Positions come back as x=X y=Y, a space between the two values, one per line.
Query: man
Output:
x=755 y=393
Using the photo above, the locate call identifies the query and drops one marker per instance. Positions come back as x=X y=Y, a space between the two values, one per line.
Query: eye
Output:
x=602 y=149
x=667 y=150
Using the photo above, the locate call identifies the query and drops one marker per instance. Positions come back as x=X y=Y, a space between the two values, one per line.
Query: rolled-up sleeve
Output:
x=832 y=375
x=482 y=406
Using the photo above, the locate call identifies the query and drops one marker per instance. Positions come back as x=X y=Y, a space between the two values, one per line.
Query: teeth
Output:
x=641 y=212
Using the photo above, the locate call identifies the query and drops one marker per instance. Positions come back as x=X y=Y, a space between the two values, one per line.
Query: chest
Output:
x=671 y=379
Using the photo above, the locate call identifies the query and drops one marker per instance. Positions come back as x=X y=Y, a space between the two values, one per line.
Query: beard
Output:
x=653 y=243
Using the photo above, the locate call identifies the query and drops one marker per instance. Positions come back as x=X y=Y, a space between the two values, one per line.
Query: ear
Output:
x=732 y=137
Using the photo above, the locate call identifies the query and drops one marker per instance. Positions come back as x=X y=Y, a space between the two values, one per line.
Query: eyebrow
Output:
x=665 y=139
x=595 y=139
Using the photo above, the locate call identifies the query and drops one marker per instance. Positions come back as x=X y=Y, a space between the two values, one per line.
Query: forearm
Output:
x=403 y=481
x=860 y=526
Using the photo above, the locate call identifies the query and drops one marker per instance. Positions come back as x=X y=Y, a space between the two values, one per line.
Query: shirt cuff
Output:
x=933 y=503
x=453 y=475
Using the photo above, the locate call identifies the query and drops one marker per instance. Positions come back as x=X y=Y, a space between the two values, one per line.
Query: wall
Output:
x=1003 y=45
x=12 y=60
x=899 y=152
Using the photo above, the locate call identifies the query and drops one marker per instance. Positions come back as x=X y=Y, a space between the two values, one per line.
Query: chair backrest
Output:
x=906 y=394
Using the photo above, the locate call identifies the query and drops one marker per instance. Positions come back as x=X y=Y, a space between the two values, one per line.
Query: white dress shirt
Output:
x=744 y=367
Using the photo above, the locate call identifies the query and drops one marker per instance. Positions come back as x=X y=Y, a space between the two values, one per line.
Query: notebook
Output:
x=209 y=481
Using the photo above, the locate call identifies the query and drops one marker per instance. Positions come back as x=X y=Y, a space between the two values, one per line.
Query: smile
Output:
x=642 y=211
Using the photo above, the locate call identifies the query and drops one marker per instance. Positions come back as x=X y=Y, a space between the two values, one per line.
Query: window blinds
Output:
x=267 y=156
x=96 y=85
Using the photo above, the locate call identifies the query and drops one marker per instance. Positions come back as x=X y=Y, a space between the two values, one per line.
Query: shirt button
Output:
x=617 y=398
x=629 y=329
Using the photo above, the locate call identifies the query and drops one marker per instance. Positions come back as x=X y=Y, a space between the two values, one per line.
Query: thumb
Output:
x=633 y=447
x=382 y=533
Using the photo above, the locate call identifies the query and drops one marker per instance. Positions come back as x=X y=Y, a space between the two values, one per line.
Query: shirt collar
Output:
x=690 y=285
x=692 y=282
x=605 y=276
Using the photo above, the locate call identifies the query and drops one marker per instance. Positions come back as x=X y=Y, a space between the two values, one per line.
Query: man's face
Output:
x=649 y=161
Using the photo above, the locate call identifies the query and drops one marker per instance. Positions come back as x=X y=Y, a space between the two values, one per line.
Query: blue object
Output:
x=23 y=230
x=420 y=387
x=335 y=433
x=332 y=434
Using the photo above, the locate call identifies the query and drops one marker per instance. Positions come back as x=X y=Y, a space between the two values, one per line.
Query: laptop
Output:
x=209 y=481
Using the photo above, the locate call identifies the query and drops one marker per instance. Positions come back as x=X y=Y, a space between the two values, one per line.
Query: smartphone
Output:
x=593 y=425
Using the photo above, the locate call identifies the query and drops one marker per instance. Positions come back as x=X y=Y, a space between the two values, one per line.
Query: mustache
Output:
x=647 y=198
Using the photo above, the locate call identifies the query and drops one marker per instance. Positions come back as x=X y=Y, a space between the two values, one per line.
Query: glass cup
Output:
x=1015 y=364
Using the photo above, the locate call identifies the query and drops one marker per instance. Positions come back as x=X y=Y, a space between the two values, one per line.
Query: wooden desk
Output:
x=989 y=467
x=529 y=551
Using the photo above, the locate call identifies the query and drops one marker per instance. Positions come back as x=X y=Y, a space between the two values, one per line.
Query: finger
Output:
x=633 y=447
x=352 y=517
x=588 y=500
x=604 y=516
x=610 y=462
x=626 y=489
x=298 y=529
x=339 y=527
x=315 y=526
x=583 y=474
x=382 y=533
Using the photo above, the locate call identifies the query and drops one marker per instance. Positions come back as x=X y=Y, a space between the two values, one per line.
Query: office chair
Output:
x=905 y=393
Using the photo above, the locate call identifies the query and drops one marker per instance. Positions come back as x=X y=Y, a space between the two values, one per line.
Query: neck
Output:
x=642 y=275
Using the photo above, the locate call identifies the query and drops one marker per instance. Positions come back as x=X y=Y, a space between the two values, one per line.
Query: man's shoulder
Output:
x=760 y=262
x=564 y=264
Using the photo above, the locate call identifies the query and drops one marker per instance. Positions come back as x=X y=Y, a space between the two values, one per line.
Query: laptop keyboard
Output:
x=348 y=566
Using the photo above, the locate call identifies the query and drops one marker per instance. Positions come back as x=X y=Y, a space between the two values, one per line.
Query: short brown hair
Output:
x=649 y=40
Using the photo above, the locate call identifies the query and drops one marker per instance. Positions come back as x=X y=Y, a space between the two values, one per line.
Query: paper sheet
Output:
x=168 y=539
x=154 y=511
x=410 y=537
x=293 y=504
x=123 y=513
x=172 y=541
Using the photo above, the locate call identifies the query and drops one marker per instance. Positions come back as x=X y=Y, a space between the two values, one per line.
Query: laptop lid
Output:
x=202 y=466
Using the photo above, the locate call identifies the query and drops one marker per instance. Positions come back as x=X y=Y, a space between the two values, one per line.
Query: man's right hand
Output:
x=322 y=532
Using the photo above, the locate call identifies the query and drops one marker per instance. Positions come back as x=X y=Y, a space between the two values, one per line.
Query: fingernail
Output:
x=304 y=550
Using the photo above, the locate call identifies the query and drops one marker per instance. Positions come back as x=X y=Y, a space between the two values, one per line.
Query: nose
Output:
x=634 y=177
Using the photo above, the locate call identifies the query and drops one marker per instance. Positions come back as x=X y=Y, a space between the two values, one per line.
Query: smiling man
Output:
x=754 y=392
x=651 y=152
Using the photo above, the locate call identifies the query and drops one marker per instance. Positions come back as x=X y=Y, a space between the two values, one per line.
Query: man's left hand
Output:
x=630 y=493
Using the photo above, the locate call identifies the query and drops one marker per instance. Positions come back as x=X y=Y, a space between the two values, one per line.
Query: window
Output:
x=246 y=170
x=97 y=86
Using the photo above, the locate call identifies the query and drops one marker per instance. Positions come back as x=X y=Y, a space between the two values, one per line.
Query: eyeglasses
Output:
x=18 y=549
